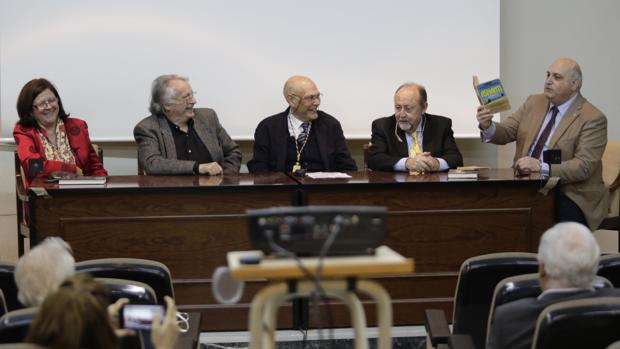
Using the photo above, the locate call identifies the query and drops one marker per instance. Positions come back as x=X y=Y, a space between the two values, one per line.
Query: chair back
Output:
x=478 y=277
x=366 y=150
x=609 y=268
x=2 y=303
x=585 y=323
x=21 y=346
x=8 y=286
x=137 y=292
x=14 y=325
x=611 y=178
x=526 y=286
x=152 y=273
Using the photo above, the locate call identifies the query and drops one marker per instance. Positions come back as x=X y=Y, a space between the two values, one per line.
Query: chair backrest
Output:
x=152 y=273
x=21 y=346
x=526 y=286
x=609 y=268
x=2 y=303
x=366 y=149
x=611 y=174
x=8 y=286
x=585 y=323
x=14 y=325
x=478 y=277
x=136 y=291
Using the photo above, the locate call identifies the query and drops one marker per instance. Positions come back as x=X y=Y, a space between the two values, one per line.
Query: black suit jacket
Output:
x=514 y=323
x=270 y=144
x=386 y=149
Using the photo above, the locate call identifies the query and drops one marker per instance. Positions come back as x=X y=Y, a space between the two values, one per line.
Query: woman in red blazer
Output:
x=45 y=131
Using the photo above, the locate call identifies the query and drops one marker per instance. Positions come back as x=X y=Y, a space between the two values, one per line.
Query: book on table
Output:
x=460 y=175
x=492 y=95
x=83 y=180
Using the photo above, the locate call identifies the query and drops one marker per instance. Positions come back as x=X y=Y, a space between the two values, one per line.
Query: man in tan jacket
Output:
x=560 y=118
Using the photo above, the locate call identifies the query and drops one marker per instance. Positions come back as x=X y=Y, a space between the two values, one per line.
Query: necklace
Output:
x=297 y=165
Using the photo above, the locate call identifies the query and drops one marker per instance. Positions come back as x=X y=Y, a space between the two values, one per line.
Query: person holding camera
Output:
x=78 y=315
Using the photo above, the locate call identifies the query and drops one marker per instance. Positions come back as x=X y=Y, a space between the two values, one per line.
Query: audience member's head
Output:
x=74 y=316
x=568 y=257
x=42 y=270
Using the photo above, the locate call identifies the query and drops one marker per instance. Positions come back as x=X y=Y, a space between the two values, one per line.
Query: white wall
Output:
x=103 y=55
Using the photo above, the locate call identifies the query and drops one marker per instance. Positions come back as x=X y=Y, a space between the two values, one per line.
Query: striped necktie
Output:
x=301 y=139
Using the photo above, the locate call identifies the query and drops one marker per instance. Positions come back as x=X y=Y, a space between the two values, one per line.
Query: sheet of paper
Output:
x=322 y=175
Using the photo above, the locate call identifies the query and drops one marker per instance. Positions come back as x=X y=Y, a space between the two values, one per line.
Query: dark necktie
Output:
x=304 y=133
x=545 y=134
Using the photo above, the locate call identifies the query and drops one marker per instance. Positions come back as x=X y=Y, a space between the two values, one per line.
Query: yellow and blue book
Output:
x=492 y=95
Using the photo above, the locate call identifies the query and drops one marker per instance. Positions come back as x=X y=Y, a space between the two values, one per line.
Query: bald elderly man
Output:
x=560 y=118
x=302 y=137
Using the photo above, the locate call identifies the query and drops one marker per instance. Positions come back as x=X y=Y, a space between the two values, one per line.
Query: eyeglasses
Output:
x=48 y=102
x=311 y=98
x=188 y=97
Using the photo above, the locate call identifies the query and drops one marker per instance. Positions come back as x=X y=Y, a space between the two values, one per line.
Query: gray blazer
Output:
x=158 y=155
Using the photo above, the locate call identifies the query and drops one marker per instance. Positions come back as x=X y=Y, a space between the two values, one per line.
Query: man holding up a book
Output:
x=411 y=139
x=561 y=119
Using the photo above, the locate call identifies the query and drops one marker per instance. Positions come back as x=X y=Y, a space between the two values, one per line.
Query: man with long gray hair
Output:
x=568 y=259
x=178 y=139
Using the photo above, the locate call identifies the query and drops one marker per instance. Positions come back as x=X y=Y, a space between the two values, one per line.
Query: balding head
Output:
x=303 y=97
x=409 y=105
x=563 y=81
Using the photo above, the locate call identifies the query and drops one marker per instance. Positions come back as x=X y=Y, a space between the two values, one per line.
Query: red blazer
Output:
x=29 y=147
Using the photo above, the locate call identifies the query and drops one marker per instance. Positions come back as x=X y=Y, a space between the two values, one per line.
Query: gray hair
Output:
x=161 y=93
x=576 y=75
x=42 y=270
x=570 y=255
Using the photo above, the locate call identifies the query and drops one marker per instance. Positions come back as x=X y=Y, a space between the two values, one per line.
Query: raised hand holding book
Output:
x=492 y=95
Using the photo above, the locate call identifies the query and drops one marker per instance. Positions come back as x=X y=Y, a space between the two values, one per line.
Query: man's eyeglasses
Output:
x=311 y=98
x=188 y=97
x=48 y=102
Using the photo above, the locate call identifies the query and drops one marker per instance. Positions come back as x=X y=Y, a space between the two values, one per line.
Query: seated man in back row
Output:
x=178 y=139
x=412 y=140
x=568 y=259
x=301 y=137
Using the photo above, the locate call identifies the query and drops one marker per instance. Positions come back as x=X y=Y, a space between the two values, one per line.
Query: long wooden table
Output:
x=189 y=223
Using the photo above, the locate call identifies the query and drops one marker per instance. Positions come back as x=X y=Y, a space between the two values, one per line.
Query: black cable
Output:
x=319 y=291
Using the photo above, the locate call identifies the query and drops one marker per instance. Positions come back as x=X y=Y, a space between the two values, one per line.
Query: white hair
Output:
x=569 y=254
x=42 y=270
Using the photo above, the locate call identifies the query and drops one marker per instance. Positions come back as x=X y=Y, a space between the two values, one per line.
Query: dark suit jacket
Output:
x=29 y=147
x=514 y=323
x=581 y=136
x=157 y=152
x=270 y=144
x=386 y=150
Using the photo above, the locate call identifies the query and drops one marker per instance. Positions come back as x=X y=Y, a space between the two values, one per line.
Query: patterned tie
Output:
x=304 y=133
x=542 y=140
x=415 y=145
